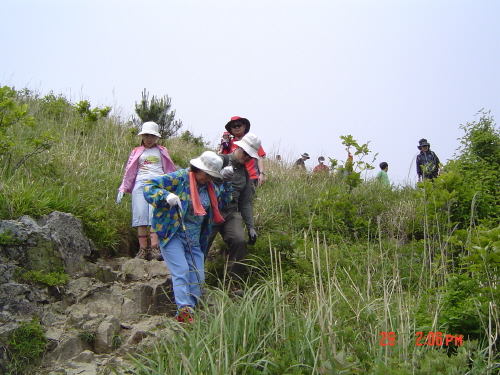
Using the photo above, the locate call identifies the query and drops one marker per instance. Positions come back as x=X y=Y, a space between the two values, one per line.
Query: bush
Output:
x=27 y=344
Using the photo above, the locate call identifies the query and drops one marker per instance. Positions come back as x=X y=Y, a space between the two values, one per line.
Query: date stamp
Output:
x=429 y=339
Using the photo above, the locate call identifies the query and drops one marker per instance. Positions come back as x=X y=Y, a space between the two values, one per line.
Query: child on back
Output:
x=144 y=163
x=225 y=144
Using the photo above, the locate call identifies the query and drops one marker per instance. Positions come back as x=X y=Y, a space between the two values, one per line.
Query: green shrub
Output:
x=56 y=278
x=27 y=344
x=87 y=337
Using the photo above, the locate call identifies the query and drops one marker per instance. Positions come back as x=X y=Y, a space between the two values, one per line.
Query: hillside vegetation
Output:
x=347 y=276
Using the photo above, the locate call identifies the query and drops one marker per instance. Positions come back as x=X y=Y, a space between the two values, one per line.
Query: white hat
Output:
x=150 y=127
x=209 y=163
x=251 y=144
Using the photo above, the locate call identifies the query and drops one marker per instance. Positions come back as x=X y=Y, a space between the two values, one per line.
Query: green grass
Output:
x=333 y=268
x=334 y=328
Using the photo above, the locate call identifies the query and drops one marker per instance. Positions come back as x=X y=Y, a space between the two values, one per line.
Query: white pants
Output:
x=142 y=211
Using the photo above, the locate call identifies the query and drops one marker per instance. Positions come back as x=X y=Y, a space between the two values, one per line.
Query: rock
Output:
x=106 y=333
x=86 y=357
x=106 y=304
x=56 y=241
x=69 y=347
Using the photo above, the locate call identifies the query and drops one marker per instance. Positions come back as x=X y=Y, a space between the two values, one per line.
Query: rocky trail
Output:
x=107 y=311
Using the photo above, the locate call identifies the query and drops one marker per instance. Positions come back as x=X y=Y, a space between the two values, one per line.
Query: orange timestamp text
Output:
x=431 y=339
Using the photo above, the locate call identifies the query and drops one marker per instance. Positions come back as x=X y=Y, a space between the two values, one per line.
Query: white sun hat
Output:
x=251 y=144
x=209 y=162
x=150 y=127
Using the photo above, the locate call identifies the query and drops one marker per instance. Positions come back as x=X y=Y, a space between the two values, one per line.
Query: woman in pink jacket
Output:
x=144 y=163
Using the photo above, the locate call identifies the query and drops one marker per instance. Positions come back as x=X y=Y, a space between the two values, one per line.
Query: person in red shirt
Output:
x=225 y=144
x=238 y=127
x=321 y=167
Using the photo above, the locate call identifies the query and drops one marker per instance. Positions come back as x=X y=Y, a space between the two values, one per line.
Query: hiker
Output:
x=382 y=175
x=239 y=211
x=300 y=163
x=238 y=127
x=186 y=203
x=428 y=167
x=225 y=144
x=349 y=164
x=145 y=162
x=321 y=167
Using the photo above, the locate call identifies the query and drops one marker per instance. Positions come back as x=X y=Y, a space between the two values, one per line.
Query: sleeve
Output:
x=156 y=189
x=225 y=194
x=123 y=188
x=419 y=166
x=245 y=205
x=261 y=152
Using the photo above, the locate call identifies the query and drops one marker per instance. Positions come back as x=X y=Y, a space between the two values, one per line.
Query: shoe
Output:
x=143 y=253
x=156 y=253
x=185 y=315
x=236 y=291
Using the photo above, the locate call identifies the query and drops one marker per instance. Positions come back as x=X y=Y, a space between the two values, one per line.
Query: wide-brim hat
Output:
x=238 y=119
x=305 y=155
x=423 y=142
x=150 y=127
x=251 y=144
x=209 y=162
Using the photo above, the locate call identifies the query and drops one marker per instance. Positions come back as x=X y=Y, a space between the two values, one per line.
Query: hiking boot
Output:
x=156 y=253
x=185 y=315
x=236 y=291
x=143 y=253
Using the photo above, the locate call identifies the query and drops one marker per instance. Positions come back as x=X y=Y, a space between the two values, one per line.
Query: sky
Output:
x=304 y=73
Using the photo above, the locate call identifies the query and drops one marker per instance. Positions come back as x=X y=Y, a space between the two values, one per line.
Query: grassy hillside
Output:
x=344 y=278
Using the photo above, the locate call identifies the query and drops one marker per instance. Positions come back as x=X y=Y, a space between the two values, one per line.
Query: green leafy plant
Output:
x=87 y=337
x=91 y=116
x=7 y=238
x=27 y=343
x=476 y=161
x=55 y=278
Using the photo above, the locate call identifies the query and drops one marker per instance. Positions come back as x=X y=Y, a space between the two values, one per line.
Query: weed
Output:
x=87 y=337
x=27 y=344
x=55 y=278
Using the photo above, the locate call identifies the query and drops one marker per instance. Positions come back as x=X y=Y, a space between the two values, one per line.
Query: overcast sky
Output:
x=303 y=72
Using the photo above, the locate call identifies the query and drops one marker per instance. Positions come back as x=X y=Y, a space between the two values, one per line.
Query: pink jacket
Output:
x=130 y=174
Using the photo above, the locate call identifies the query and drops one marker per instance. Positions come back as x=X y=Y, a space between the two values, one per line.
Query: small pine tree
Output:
x=157 y=110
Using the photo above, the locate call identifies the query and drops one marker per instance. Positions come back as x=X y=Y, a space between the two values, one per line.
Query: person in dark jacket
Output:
x=427 y=162
x=300 y=163
x=238 y=211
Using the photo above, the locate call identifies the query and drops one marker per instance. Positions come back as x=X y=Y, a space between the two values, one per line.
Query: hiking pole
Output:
x=179 y=212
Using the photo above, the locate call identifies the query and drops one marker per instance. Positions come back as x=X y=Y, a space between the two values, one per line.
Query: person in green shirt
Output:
x=382 y=174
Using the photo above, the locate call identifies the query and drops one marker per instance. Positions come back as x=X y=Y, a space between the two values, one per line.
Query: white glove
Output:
x=173 y=200
x=227 y=173
x=119 y=197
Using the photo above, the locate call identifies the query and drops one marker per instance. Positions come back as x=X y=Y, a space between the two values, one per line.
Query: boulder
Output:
x=53 y=242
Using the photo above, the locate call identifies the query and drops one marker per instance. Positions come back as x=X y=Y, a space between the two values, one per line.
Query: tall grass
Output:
x=79 y=174
x=333 y=269
x=333 y=328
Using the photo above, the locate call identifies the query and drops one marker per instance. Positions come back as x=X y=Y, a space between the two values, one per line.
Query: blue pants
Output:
x=187 y=290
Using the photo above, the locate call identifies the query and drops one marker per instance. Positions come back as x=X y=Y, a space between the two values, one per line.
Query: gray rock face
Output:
x=106 y=310
x=54 y=242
